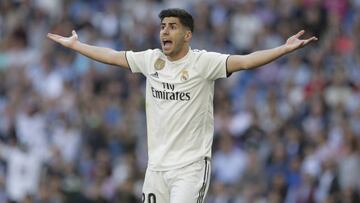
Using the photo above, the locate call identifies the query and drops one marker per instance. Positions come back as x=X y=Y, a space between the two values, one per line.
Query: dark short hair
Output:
x=185 y=18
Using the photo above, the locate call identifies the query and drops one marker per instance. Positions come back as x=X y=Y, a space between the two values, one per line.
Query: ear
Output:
x=188 y=35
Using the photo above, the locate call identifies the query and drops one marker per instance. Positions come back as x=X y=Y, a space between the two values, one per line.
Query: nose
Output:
x=165 y=30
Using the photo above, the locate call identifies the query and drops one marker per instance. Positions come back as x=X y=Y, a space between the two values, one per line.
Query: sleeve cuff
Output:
x=226 y=67
x=127 y=61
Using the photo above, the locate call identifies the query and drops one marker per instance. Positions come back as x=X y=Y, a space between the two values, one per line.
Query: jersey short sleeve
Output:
x=138 y=61
x=215 y=65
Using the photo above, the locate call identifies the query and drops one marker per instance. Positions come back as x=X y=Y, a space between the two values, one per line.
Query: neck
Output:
x=184 y=50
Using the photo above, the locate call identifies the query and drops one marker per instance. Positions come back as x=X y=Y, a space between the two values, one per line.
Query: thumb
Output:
x=74 y=34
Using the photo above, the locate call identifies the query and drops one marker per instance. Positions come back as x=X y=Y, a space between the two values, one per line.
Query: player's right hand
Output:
x=65 y=41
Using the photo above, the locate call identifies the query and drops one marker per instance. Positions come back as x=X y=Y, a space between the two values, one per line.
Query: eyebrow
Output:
x=169 y=23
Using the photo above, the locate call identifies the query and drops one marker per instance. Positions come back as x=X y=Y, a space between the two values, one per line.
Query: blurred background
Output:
x=73 y=130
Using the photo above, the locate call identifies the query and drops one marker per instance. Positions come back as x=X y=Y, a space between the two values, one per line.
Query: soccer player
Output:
x=179 y=102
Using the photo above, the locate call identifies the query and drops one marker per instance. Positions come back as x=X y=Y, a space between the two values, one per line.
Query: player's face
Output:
x=174 y=37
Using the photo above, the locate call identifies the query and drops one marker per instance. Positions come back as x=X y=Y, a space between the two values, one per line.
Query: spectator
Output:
x=229 y=161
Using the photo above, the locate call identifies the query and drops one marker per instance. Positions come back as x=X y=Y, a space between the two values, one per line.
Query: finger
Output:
x=310 y=40
x=313 y=39
x=54 y=37
x=297 y=35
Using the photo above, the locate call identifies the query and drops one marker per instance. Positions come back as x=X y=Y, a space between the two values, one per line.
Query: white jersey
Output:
x=179 y=104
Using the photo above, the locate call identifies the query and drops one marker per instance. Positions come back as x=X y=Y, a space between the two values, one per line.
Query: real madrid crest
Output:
x=159 y=64
x=184 y=75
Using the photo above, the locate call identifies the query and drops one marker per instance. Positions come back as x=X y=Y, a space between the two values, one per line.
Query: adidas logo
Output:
x=155 y=75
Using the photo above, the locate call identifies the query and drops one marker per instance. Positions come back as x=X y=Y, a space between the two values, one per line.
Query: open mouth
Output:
x=167 y=44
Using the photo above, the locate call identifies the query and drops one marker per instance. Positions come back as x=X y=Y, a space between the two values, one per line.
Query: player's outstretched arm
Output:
x=101 y=54
x=259 y=58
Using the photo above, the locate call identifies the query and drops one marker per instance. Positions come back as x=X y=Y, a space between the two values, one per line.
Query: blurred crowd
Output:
x=74 y=130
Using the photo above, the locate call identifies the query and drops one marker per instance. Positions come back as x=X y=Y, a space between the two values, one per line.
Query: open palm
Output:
x=65 y=41
x=294 y=42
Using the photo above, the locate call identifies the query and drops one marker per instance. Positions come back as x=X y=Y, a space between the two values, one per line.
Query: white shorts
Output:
x=184 y=185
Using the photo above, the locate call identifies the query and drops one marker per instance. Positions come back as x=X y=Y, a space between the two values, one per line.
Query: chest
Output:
x=174 y=76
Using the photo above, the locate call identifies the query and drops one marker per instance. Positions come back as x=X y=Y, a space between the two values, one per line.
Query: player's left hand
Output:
x=294 y=42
